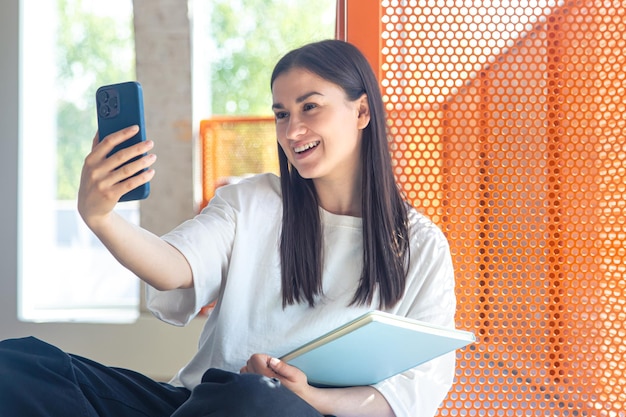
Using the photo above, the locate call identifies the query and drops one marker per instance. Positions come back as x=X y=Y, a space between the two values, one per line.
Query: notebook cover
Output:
x=373 y=347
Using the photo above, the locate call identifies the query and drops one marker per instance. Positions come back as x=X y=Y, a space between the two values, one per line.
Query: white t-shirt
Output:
x=232 y=248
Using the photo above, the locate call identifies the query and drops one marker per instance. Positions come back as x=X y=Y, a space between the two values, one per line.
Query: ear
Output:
x=363 y=107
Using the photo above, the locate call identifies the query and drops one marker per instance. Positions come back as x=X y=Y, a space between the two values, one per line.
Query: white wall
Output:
x=147 y=345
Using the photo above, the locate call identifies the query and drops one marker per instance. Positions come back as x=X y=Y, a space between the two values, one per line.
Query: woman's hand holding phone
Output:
x=106 y=177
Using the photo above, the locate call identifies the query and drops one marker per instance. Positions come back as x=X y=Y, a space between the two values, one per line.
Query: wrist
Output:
x=98 y=223
x=318 y=399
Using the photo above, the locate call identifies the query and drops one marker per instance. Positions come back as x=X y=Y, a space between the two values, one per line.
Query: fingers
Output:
x=117 y=176
x=279 y=367
x=103 y=149
x=132 y=175
x=114 y=139
x=106 y=177
x=257 y=364
x=129 y=161
x=105 y=146
x=123 y=163
x=268 y=366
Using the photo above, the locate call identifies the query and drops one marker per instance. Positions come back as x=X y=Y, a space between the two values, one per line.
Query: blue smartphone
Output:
x=119 y=106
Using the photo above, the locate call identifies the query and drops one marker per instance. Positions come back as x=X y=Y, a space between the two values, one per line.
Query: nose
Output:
x=295 y=128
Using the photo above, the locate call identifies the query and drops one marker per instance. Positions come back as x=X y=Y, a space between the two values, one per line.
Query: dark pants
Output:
x=37 y=379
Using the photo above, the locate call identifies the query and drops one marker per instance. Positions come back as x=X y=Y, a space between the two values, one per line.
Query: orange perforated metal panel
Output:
x=233 y=147
x=508 y=124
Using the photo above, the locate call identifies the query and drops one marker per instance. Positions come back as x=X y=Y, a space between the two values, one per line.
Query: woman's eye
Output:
x=280 y=115
x=309 y=106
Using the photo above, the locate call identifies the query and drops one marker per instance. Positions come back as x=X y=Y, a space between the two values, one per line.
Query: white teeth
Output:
x=306 y=146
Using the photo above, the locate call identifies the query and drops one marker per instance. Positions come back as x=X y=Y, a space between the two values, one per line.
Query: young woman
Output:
x=286 y=260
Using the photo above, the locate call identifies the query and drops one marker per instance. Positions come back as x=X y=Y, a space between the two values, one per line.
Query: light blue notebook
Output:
x=373 y=347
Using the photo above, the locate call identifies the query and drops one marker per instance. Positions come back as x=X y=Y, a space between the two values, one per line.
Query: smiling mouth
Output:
x=306 y=147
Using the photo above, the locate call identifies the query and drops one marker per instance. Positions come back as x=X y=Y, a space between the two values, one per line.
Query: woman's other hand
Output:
x=290 y=376
x=363 y=401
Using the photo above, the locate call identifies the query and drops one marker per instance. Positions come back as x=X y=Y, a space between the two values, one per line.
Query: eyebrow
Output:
x=298 y=100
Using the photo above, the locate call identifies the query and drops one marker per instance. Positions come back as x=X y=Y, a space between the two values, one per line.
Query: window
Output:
x=66 y=273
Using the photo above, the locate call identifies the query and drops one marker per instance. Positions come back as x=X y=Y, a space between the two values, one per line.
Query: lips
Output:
x=307 y=146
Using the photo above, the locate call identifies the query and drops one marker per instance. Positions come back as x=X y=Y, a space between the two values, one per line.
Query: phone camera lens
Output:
x=104 y=110
x=103 y=96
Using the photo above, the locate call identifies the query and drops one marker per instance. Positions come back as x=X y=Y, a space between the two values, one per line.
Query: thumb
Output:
x=279 y=367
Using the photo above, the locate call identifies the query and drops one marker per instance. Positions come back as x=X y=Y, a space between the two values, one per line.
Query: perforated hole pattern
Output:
x=508 y=127
x=234 y=147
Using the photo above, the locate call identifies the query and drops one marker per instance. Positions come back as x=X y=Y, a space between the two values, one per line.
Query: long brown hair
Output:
x=384 y=210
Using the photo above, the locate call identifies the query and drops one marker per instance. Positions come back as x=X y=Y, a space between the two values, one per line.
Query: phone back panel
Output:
x=119 y=106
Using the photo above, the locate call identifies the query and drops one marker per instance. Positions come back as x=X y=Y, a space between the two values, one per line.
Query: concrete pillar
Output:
x=163 y=47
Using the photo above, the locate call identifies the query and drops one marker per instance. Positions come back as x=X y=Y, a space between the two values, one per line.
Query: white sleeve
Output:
x=206 y=243
x=430 y=297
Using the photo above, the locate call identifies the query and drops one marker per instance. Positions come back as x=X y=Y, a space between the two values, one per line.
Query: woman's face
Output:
x=317 y=127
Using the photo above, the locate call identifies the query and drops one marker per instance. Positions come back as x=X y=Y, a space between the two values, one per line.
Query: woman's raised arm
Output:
x=103 y=181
